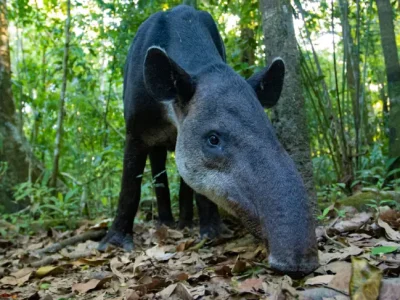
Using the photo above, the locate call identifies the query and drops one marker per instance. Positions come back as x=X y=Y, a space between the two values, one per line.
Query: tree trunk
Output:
x=61 y=111
x=248 y=43
x=388 y=40
x=289 y=116
x=14 y=150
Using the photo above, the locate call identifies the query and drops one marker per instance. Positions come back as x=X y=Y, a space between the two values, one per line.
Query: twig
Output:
x=336 y=290
x=88 y=235
x=333 y=241
x=198 y=246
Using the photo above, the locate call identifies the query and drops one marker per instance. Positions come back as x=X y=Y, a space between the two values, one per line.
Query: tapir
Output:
x=180 y=94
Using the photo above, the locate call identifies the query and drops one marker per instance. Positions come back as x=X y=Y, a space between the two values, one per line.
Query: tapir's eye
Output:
x=213 y=140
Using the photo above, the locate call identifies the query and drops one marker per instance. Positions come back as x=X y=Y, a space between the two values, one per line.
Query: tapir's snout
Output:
x=295 y=268
x=275 y=207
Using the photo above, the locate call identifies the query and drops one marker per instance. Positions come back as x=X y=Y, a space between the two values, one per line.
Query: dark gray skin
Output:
x=226 y=148
x=150 y=133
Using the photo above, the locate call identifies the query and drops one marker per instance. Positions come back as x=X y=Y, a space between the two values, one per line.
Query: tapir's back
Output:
x=190 y=37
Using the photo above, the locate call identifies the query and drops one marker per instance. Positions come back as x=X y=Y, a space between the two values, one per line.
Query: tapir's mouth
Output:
x=285 y=257
x=298 y=270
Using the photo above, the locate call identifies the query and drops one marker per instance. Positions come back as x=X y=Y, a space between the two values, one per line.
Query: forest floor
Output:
x=357 y=256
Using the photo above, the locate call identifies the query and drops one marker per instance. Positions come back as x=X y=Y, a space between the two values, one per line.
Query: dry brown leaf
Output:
x=319 y=280
x=167 y=292
x=182 y=292
x=390 y=289
x=185 y=245
x=391 y=234
x=115 y=263
x=340 y=254
x=341 y=281
x=22 y=275
x=354 y=223
x=149 y=284
x=322 y=293
x=33 y=247
x=9 y=280
x=239 y=266
x=280 y=290
x=131 y=295
x=92 y=261
x=224 y=271
x=387 y=243
x=159 y=254
x=198 y=292
x=178 y=290
x=181 y=277
x=251 y=285
x=161 y=233
x=102 y=224
x=175 y=234
x=392 y=217
x=92 y=284
x=138 y=261
x=337 y=267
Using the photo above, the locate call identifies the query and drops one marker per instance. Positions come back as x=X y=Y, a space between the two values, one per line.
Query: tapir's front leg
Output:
x=185 y=205
x=158 y=158
x=211 y=225
x=120 y=233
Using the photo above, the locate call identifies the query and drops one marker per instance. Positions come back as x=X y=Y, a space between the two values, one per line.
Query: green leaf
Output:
x=44 y=286
x=383 y=250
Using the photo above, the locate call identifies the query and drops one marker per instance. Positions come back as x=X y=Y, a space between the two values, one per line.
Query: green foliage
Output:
x=93 y=142
x=45 y=205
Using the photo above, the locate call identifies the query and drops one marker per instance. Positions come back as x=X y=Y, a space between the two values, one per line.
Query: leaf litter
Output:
x=358 y=260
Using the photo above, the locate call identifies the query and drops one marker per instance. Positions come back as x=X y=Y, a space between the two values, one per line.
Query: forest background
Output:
x=61 y=114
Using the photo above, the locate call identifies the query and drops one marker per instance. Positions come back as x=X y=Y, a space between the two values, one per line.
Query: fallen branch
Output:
x=43 y=262
x=88 y=235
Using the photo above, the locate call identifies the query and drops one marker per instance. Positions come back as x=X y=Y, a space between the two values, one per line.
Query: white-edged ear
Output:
x=165 y=79
x=268 y=83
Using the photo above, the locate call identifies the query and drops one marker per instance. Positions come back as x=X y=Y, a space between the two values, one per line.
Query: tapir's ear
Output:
x=268 y=83
x=165 y=79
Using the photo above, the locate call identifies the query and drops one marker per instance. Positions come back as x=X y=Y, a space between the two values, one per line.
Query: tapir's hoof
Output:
x=117 y=239
x=184 y=223
x=166 y=222
x=215 y=230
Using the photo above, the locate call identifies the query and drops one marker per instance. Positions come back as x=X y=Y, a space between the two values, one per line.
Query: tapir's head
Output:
x=227 y=150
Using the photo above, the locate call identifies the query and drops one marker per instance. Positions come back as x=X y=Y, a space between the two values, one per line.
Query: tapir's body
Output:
x=150 y=130
x=180 y=94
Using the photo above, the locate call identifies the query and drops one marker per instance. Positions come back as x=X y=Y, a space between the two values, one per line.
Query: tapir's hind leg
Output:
x=185 y=205
x=158 y=158
x=211 y=225
x=120 y=233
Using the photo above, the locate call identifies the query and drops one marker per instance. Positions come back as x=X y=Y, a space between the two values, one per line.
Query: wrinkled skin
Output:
x=248 y=173
x=226 y=148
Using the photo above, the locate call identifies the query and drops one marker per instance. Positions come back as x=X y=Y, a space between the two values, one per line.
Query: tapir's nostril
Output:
x=294 y=270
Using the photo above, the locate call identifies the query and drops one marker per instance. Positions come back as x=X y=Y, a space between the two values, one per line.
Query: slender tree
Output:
x=61 y=110
x=288 y=117
x=388 y=40
x=15 y=155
